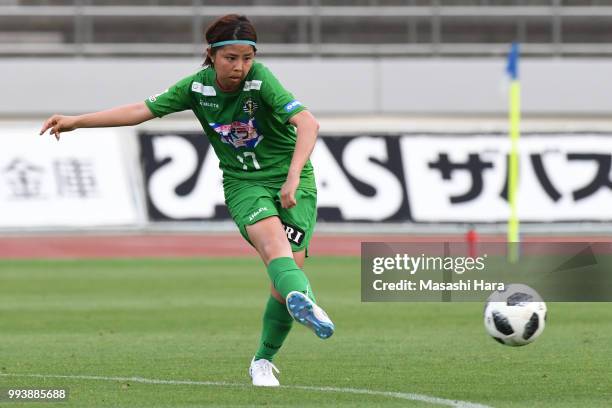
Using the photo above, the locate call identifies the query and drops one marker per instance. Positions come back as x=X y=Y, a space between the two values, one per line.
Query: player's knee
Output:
x=274 y=247
x=299 y=258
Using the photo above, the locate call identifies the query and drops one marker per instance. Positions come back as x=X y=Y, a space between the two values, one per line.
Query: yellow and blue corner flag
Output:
x=513 y=61
x=514 y=116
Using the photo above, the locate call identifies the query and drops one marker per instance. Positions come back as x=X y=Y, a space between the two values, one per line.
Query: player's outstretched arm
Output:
x=126 y=115
x=307 y=131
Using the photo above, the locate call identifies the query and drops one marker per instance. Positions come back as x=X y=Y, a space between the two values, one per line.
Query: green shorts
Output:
x=249 y=203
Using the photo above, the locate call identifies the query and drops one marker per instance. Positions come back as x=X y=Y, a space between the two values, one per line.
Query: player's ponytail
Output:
x=230 y=27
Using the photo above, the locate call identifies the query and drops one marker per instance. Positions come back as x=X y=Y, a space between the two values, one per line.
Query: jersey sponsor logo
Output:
x=292 y=105
x=154 y=97
x=238 y=134
x=294 y=234
x=209 y=91
x=254 y=85
x=203 y=89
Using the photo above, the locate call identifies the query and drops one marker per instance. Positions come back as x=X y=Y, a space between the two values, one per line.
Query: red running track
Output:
x=207 y=245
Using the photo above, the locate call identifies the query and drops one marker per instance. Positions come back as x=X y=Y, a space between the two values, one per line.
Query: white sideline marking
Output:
x=390 y=394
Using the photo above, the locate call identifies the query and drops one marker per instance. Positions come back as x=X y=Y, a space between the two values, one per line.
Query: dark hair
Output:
x=229 y=27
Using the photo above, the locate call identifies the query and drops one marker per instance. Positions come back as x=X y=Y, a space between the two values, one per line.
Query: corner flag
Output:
x=513 y=167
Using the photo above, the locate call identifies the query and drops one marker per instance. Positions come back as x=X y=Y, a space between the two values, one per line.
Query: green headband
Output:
x=222 y=43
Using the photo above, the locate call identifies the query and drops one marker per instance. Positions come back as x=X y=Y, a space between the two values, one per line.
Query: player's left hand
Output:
x=287 y=192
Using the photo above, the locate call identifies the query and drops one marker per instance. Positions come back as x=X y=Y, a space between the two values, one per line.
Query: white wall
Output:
x=332 y=86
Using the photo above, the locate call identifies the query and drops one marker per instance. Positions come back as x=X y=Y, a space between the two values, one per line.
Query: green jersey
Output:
x=248 y=128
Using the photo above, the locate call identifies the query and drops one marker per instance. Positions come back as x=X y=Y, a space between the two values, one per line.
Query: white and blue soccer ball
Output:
x=515 y=316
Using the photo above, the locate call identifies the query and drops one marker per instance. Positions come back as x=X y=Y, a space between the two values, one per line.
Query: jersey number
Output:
x=252 y=156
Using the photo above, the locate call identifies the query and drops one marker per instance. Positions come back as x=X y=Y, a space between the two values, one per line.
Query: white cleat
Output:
x=261 y=373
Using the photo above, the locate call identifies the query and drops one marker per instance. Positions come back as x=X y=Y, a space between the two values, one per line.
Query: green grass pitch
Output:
x=199 y=320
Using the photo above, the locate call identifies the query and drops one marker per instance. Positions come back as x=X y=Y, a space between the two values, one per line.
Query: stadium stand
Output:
x=309 y=27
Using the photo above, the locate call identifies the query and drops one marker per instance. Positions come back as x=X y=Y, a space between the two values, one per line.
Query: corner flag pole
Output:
x=513 y=167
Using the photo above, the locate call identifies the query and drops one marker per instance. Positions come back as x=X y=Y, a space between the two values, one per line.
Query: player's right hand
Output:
x=59 y=124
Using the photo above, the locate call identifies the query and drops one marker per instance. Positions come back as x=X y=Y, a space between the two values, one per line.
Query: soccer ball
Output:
x=515 y=316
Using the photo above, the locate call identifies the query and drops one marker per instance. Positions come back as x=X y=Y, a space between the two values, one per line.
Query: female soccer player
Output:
x=263 y=137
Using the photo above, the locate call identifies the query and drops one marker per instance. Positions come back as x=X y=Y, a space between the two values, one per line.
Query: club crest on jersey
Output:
x=252 y=85
x=238 y=134
x=249 y=107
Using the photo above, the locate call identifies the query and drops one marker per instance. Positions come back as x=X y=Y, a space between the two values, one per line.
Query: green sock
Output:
x=276 y=326
x=286 y=277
